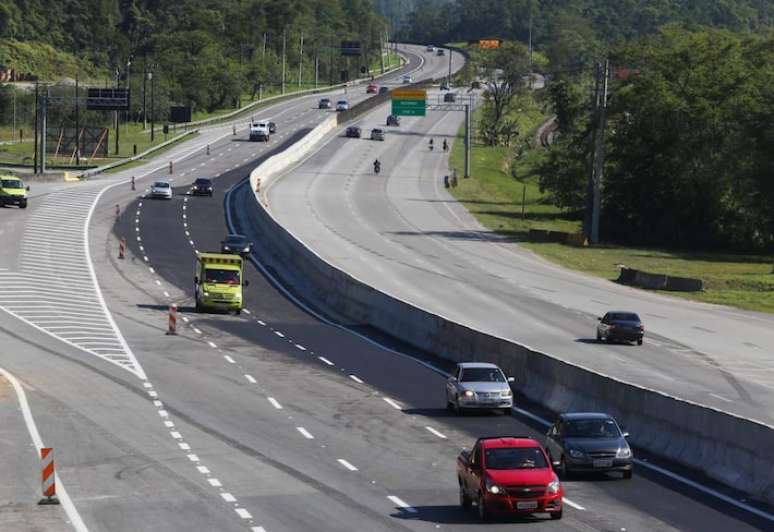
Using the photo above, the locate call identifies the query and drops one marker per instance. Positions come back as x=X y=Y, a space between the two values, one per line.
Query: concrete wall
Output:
x=727 y=448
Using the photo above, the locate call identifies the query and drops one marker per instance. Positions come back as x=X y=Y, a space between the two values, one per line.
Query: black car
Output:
x=237 y=245
x=444 y=86
x=272 y=127
x=353 y=132
x=588 y=442
x=325 y=103
x=393 y=120
x=450 y=97
x=620 y=326
x=202 y=187
x=383 y=90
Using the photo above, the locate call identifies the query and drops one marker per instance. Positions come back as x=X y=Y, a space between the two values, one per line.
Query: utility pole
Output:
x=467 y=140
x=117 y=114
x=144 y=100
x=599 y=148
x=37 y=124
x=77 y=125
x=153 y=104
x=263 y=53
x=530 y=45
x=13 y=131
x=301 y=60
x=283 y=60
x=381 y=51
x=316 y=68
x=450 y=67
x=43 y=131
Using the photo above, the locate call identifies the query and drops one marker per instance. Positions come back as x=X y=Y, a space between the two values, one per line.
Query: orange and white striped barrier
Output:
x=49 y=476
x=121 y=248
x=172 y=329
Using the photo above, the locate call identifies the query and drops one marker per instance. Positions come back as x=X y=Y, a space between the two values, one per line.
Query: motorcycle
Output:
x=377 y=167
x=430 y=144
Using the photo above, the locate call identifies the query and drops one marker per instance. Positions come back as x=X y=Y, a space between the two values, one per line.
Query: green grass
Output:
x=494 y=197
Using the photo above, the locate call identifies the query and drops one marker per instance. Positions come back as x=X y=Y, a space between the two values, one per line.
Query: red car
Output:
x=508 y=476
x=372 y=89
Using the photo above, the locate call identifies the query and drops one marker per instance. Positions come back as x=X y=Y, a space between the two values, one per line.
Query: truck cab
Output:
x=218 y=282
x=260 y=131
x=13 y=191
x=509 y=476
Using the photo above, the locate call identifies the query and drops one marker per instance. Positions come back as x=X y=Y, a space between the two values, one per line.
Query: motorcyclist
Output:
x=377 y=166
x=430 y=144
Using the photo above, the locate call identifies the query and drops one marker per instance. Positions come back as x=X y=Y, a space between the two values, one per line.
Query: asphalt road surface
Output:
x=272 y=420
x=403 y=233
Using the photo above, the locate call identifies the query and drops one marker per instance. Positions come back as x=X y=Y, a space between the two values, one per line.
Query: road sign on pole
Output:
x=409 y=102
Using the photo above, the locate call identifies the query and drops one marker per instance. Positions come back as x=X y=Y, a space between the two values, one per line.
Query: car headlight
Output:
x=623 y=452
x=506 y=394
x=469 y=393
x=247 y=249
x=227 y=248
x=554 y=486
x=493 y=488
x=206 y=294
x=575 y=453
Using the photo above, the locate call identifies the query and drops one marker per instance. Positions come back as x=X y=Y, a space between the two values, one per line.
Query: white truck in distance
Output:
x=259 y=131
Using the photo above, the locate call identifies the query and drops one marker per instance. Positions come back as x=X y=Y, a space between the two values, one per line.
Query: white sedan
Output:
x=342 y=105
x=161 y=189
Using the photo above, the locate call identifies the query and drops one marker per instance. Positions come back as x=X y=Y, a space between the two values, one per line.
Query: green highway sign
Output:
x=409 y=102
x=408 y=107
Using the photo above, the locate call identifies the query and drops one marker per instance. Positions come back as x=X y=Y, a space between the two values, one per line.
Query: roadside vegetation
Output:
x=214 y=57
x=687 y=187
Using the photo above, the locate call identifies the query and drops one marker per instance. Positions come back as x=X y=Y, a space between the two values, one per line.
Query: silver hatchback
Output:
x=479 y=385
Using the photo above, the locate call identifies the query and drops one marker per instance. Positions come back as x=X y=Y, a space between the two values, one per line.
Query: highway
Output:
x=270 y=421
x=404 y=233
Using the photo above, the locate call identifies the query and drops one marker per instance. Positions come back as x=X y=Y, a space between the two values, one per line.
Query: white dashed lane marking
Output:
x=356 y=379
x=301 y=347
x=392 y=403
x=573 y=504
x=305 y=433
x=346 y=464
x=250 y=379
x=402 y=504
x=325 y=360
x=274 y=403
x=436 y=433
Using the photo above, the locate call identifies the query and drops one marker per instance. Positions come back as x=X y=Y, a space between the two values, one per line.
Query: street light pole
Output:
x=301 y=60
x=77 y=125
x=284 y=48
x=153 y=104
x=144 y=101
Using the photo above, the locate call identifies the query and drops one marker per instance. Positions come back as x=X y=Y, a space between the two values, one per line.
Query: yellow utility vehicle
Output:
x=13 y=191
x=218 y=282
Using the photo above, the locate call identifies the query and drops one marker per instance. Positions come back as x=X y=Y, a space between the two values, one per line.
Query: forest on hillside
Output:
x=204 y=53
x=572 y=32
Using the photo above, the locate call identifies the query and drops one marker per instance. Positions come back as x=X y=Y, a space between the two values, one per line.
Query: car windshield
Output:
x=221 y=276
x=237 y=241
x=515 y=458
x=591 y=428
x=342 y=102
x=159 y=184
x=12 y=183
x=482 y=375
x=624 y=316
x=205 y=182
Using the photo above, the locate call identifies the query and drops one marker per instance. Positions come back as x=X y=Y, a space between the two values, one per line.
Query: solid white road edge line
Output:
x=277 y=284
x=64 y=497
x=392 y=403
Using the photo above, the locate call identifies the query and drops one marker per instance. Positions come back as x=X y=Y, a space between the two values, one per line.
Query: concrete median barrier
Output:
x=725 y=447
x=655 y=281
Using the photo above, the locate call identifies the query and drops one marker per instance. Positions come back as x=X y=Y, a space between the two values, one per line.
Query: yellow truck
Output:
x=218 y=282
x=13 y=191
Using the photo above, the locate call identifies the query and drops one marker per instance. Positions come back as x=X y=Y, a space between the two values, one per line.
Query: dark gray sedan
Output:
x=620 y=326
x=588 y=442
